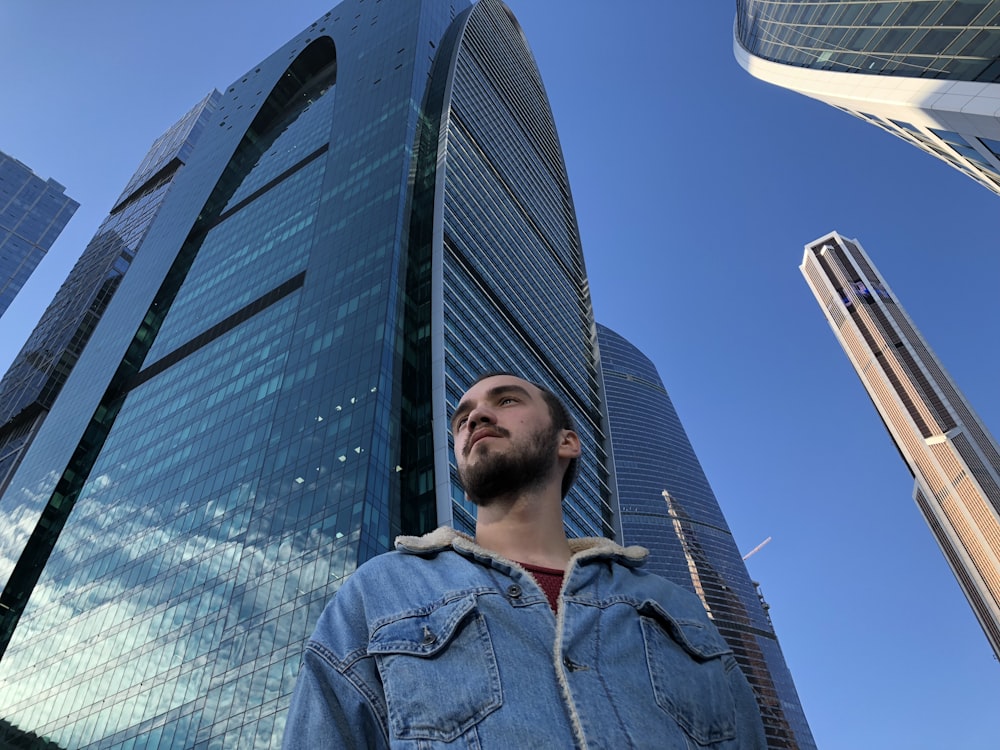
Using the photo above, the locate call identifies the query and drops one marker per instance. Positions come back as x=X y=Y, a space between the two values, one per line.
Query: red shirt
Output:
x=549 y=579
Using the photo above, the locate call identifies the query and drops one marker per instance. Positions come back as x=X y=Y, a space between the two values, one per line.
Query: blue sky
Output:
x=697 y=188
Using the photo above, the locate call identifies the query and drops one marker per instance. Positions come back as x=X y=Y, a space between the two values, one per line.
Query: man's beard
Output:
x=519 y=468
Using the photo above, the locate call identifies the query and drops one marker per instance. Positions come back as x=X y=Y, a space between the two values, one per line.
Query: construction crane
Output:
x=756 y=549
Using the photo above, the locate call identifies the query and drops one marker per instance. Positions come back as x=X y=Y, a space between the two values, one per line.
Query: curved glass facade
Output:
x=668 y=506
x=372 y=216
x=948 y=39
x=514 y=287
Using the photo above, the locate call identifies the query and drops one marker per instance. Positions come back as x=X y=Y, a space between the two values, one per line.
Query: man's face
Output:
x=504 y=438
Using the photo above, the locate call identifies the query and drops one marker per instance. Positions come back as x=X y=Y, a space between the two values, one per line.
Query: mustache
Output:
x=491 y=431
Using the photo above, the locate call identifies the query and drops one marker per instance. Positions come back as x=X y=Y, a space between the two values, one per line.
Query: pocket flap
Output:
x=422 y=632
x=695 y=636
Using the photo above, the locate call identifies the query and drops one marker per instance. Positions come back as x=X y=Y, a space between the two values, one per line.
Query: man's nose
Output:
x=480 y=415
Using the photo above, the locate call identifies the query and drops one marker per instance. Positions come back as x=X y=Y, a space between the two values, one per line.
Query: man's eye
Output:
x=507 y=400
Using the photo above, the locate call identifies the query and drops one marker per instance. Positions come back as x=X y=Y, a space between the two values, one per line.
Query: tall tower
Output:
x=668 y=506
x=33 y=212
x=927 y=72
x=953 y=458
x=30 y=386
x=373 y=214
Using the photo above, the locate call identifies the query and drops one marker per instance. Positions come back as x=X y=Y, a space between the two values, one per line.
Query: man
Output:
x=519 y=638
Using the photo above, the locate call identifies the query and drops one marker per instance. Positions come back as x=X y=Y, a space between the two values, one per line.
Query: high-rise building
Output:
x=927 y=72
x=668 y=506
x=952 y=456
x=33 y=212
x=373 y=214
x=40 y=369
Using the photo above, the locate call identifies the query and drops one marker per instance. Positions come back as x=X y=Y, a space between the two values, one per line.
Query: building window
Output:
x=959 y=145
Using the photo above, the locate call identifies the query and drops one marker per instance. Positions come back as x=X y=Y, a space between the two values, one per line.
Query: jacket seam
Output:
x=340 y=665
x=607 y=692
x=346 y=670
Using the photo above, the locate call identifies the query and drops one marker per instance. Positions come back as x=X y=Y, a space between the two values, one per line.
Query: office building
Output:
x=952 y=456
x=30 y=386
x=668 y=506
x=373 y=214
x=33 y=212
x=927 y=72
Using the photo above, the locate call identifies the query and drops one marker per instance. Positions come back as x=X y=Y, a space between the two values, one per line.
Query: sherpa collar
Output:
x=583 y=548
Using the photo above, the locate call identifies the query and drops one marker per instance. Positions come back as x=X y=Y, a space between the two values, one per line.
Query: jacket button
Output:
x=513 y=591
x=429 y=637
x=572 y=666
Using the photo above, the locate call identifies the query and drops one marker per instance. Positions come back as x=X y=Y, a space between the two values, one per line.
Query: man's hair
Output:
x=561 y=420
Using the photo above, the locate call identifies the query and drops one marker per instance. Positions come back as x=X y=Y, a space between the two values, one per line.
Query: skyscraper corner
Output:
x=953 y=457
x=33 y=212
x=926 y=72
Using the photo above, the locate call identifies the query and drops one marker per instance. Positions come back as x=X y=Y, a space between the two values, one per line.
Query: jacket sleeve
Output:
x=328 y=710
x=338 y=700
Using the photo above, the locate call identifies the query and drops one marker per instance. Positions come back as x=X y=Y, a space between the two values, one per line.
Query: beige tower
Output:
x=954 y=460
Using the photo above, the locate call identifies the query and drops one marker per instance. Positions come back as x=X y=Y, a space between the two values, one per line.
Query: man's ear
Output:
x=569 y=445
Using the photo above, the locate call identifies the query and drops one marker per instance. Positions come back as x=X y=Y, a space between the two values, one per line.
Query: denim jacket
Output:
x=444 y=644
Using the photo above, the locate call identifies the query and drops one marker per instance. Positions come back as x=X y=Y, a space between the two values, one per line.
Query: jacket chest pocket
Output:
x=688 y=668
x=438 y=670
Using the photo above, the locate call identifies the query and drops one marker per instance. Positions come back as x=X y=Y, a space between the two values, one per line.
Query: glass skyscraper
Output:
x=927 y=71
x=953 y=457
x=40 y=369
x=668 y=506
x=33 y=212
x=372 y=215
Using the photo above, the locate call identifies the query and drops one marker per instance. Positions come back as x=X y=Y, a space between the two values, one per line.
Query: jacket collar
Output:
x=583 y=548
